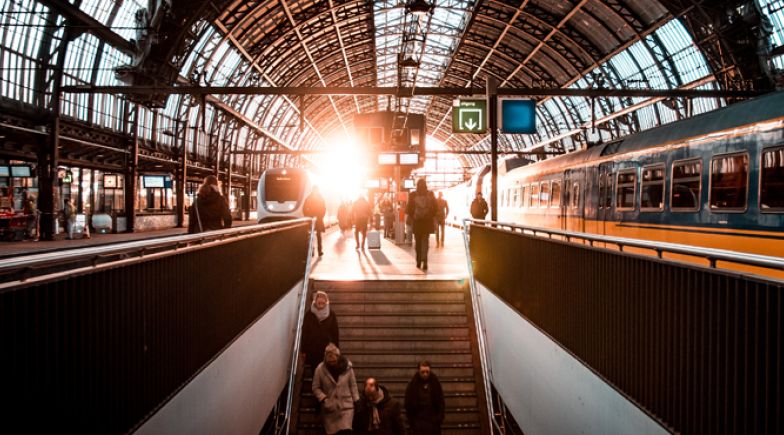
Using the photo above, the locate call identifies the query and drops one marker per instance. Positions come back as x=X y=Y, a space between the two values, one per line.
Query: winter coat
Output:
x=317 y=335
x=314 y=207
x=479 y=208
x=338 y=396
x=389 y=411
x=425 y=418
x=361 y=212
x=213 y=213
x=425 y=224
x=443 y=210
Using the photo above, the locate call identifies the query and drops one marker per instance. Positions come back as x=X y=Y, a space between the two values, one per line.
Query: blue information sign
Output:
x=518 y=116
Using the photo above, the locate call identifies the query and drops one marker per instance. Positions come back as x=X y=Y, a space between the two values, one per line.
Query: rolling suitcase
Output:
x=374 y=240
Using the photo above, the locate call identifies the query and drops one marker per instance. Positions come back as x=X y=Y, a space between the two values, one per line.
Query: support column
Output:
x=492 y=110
x=182 y=177
x=248 y=190
x=132 y=175
x=48 y=156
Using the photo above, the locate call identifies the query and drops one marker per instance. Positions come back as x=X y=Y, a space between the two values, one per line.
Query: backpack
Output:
x=422 y=207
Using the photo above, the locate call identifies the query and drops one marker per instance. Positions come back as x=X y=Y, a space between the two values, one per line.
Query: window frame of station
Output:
x=672 y=185
x=623 y=171
x=663 y=184
x=25 y=186
x=733 y=210
x=149 y=191
x=775 y=210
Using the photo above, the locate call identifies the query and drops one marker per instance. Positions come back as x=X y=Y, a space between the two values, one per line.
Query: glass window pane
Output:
x=686 y=185
x=535 y=195
x=556 y=194
x=772 y=181
x=652 y=188
x=544 y=194
x=627 y=183
x=729 y=182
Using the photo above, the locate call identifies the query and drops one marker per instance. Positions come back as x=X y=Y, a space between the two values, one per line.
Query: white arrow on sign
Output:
x=469 y=124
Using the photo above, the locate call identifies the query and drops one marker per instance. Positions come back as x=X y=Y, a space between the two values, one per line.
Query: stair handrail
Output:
x=484 y=357
x=303 y=296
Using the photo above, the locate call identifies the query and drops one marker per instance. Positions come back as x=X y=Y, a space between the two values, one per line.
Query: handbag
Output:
x=198 y=215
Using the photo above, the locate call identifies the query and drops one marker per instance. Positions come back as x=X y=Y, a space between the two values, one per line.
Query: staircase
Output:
x=387 y=327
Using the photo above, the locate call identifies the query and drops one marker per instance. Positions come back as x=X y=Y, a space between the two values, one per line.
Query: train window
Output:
x=729 y=182
x=556 y=194
x=535 y=195
x=686 y=183
x=526 y=196
x=544 y=194
x=652 y=188
x=772 y=180
x=574 y=197
x=605 y=190
x=516 y=197
x=625 y=189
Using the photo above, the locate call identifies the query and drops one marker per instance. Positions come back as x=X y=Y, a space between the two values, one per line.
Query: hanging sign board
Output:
x=469 y=116
x=518 y=116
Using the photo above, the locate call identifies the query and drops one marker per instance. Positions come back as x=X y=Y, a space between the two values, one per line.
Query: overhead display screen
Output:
x=20 y=171
x=409 y=159
x=4 y=171
x=408 y=184
x=387 y=159
x=153 y=181
x=518 y=116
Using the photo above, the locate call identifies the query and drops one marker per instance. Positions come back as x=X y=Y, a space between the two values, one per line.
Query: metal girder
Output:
x=389 y=90
x=90 y=24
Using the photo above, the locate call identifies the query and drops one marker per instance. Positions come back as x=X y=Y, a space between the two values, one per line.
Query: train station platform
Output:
x=341 y=261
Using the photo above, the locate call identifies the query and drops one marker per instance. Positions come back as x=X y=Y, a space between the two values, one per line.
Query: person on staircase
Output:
x=319 y=329
x=422 y=208
x=379 y=413
x=335 y=387
x=314 y=207
x=361 y=213
x=424 y=402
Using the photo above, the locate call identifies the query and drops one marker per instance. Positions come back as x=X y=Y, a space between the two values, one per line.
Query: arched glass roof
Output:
x=570 y=44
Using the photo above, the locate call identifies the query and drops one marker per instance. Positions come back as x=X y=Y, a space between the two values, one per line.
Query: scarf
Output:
x=375 y=420
x=321 y=315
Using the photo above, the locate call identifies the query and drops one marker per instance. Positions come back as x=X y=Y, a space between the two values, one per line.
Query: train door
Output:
x=604 y=183
x=573 y=205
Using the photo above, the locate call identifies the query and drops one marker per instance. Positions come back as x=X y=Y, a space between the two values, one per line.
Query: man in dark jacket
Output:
x=379 y=413
x=319 y=328
x=479 y=207
x=425 y=402
x=361 y=214
x=421 y=208
x=314 y=207
x=209 y=211
x=441 y=213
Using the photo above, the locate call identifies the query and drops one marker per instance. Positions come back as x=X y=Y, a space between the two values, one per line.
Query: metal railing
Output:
x=484 y=360
x=100 y=338
x=711 y=255
x=301 y=304
x=696 y=347
x=35 y=268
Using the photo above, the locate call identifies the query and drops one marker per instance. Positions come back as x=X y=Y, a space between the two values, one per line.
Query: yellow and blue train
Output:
x=715 y=180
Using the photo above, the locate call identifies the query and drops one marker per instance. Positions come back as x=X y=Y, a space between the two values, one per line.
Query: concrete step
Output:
x=397 y=386
x=452 y=415
x=454 y=429
x=452 y=400
x=382 y=333
x=350 y=347
x=404 y=285
x=421 y=320
x=396 y=296
x=408 y=372
x=410 y=359
x=353 y=308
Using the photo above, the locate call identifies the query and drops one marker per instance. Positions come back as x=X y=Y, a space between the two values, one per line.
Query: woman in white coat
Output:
x=335 y=387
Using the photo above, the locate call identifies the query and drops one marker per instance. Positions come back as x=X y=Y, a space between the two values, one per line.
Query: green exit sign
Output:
x=469 y=116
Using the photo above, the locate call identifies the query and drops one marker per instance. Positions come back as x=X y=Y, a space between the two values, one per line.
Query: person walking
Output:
x=424 y=402
x=69 y=212
x=378 y=413
x=479 y=207
x=335 y=388
x=31 y=210
x=422 y=209
x=319 y=329
x=442 y=211
x=314 y=207
x=209 y=211
x=361 y=213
